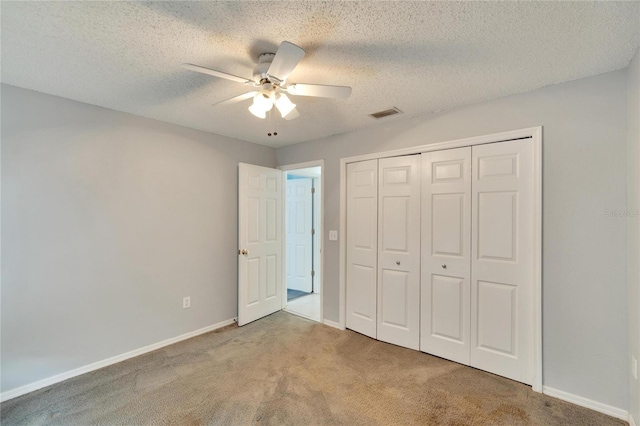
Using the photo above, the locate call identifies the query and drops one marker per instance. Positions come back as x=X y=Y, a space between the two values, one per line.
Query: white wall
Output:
x=584 y=250
x=108 y=221
x=633 y=226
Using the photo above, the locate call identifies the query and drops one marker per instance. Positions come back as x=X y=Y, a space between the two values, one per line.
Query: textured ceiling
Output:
x=420 y=57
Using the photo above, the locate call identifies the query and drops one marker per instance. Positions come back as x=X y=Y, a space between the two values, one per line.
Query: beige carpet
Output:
x=287 y=370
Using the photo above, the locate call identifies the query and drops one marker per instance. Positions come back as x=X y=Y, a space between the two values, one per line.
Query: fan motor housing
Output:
x=264 y=62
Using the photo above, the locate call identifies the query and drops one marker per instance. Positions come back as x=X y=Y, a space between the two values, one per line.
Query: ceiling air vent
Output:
x=386 y=113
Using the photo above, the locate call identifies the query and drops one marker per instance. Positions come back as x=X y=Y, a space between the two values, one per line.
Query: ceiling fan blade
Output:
x=320 y=90
x=215 y=73
x=293 y=114
x=237 y=98
x=286 y=59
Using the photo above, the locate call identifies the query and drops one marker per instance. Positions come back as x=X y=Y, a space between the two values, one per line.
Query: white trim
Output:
x=536 y=384
x=333 y=324
x=535 y=134
x=318 y=208
x=631 y=421
x=304 y=165
x=290 y=167
x=342 y=261
x=529 y=132
x=609 y=410
x=13 y=393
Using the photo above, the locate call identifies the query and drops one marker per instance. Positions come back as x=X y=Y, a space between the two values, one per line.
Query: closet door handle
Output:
x=398 y=262
x=444 y=266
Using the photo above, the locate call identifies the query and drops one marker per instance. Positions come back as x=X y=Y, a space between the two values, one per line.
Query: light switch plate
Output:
x=634 y=367
x=333 y=235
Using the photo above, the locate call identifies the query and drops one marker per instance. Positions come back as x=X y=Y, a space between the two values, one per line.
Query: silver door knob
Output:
x=444 y=266
x=398 y=262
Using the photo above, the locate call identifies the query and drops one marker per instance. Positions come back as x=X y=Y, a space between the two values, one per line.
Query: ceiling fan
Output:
x=270 y=83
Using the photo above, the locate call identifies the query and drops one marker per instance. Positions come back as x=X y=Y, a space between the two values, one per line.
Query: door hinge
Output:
x=313 y=190
x=313 y=273
x=313 y=232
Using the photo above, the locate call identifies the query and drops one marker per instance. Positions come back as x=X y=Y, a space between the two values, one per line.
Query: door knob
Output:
x=398 y=262
x=444 y=266
x=243 y=252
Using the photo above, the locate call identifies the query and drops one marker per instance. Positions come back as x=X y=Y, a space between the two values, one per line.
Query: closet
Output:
x=440 y=254
x=383 y=259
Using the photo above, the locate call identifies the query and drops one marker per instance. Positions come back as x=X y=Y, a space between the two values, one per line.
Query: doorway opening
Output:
x=303 y=242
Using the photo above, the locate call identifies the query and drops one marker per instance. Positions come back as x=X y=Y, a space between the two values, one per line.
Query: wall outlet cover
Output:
x=186 y=302
x=333 y=235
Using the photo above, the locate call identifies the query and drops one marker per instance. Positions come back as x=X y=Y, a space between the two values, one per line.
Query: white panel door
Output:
x=446 y=254
x=502 y=278
x=299 y=238
x=259 y=242
x=362 y=243
x=399 y=251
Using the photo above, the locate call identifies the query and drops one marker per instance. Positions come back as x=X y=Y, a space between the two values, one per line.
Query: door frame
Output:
x=292 y=167
x=532 y=133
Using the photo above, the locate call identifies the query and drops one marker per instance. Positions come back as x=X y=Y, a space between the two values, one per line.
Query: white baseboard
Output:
x=332 y=324
x=632 y=422
x=609 y=410
x=13 y=393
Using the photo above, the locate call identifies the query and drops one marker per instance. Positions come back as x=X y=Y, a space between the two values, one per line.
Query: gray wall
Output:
x=584 y=272
x=108 y=221
x=633 y=226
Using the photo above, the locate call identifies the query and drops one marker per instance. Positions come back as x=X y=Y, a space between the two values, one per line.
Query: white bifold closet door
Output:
x=399 y=251
x=446 y=254
x=447 y=259
x=383 y=249
x=502 y=266
x=362 y=247
x=477 y=257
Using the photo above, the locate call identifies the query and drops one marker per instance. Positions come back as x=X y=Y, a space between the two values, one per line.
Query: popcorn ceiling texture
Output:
x=418 y=56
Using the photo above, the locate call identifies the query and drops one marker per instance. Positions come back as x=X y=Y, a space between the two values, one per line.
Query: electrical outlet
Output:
x=333 y=235
x=634 y=367
x=186 y=302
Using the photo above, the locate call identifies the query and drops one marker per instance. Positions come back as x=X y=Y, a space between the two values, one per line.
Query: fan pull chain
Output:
x=271 y=125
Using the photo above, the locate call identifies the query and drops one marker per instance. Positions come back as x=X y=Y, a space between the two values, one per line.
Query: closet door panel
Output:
x=399 y=251
x=446 y=254
x=394 y=295
x=362 y=247
x=502 y=259
x=447 y=314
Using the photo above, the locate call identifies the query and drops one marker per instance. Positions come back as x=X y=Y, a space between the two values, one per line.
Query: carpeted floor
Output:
x=286 y=370
x=294 y=294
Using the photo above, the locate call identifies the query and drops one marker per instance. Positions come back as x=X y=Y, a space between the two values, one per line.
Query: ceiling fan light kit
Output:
x=264 y=101
x=257 y=111
x=284 y=104
x=269 y=83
